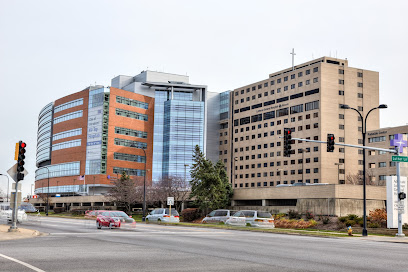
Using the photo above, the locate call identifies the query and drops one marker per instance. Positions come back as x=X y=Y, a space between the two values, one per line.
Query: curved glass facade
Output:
x=58 y=170
x=44 y=134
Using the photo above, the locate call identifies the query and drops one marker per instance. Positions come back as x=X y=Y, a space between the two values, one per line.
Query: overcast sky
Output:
x=49 y=49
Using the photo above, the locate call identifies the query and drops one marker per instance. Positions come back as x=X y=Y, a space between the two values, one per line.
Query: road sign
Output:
x=170 y=200
x=399 y=158
x=401 y=207
x=13 y=172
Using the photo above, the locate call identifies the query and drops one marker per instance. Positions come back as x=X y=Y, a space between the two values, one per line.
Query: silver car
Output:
x=163 y=215
x=260 y=219
x=218 y=216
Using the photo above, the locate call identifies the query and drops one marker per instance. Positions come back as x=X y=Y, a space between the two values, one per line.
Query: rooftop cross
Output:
x=398 y=142
x=293 y=58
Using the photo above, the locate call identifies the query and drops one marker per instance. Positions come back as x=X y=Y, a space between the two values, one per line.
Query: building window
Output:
x=315 y=80
x=300 y=84
x=341 y=92
x=307 y=82
x=67 y=144
x=382 y=164
x=341 y=126
x=133 y=133
x=285 y=78
x=341 y=116
x=382 y=177
x=131 y=114
x=359 y=84
x=341 y=139
x=377 y=139
x=66 y=134
x=341 y=150
x=292 y=76
x=341 y=71
x=130 y=157
x=308 y=72
x=285 y=88
x=359 y=74
x=316 y=69
x=69 y=105
x=68 y=116
x=129 y=171
x=135 y=103
x=300 y=74
x=359 y=95
x=129 y=143
x=341 y=81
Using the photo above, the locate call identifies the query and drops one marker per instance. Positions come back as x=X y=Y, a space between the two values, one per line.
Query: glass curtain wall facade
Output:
x=44 y=134
x=178 y=128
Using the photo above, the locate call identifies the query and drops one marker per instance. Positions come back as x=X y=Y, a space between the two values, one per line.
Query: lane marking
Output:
x=23 y=263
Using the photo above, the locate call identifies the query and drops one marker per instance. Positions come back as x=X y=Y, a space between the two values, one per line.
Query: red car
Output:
x=93 y=214
x=113 y=219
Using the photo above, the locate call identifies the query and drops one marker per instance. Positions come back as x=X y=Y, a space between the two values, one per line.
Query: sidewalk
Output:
x=21 y=234
x=387 y=239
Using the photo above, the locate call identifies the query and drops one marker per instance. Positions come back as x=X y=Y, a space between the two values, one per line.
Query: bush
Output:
x=343 y=219
x=309 y=215
x=405 y=226
x=59 y=209
x=350 y=222
x=378 y=216
x=373 y=225
x=294 y=214
x=78 y=212
x=294 y=224
x=325 y=220
x=279 y=215
x=190 y=214
x=352 y=217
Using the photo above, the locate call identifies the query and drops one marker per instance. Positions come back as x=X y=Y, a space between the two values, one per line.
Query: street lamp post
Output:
x=8 y=186
x=364 y=130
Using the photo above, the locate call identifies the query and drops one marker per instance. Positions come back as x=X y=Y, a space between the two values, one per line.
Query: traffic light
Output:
x=330 y=142
x=20 y=160
x=287 y=141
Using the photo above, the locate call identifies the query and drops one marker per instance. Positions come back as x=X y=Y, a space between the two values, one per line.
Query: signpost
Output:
x=170 y=201
x=399 y=144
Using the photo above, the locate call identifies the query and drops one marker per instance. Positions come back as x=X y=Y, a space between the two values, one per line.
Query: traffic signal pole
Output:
x=19 y=155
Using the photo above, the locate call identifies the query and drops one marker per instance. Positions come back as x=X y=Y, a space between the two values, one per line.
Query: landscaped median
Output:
x=19 y=234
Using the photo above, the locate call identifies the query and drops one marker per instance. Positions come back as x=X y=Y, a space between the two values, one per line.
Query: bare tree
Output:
x=124 y=192
x=173 y=186
x=357 y=179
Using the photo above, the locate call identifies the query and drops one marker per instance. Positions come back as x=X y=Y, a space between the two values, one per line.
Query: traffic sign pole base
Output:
x=400 y=235
x=13 y=230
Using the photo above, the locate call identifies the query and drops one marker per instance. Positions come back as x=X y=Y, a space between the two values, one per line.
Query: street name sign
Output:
x=399 y=158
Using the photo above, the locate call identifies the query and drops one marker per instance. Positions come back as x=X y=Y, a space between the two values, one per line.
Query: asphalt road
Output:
x=76 y=245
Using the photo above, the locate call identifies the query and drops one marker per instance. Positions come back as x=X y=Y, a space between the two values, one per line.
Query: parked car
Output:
x=114 y=219
x=28 y=208
x=162 y=215
x=6 y=213
x=252 y=218
x=218 y=216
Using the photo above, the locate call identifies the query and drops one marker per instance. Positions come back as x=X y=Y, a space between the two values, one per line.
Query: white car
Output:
x=162 y=215
x=218 y=216
x=6 y=213
x=252 y=218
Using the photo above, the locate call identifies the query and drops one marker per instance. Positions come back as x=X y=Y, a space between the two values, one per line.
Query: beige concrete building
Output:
x=306 y=98
x=378 y=163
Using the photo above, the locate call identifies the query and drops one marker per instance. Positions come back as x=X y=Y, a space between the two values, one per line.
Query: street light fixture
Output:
x=8 y=186
x=364 y=131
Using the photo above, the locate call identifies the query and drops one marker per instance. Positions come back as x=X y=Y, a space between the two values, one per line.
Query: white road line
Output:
x=23 y=263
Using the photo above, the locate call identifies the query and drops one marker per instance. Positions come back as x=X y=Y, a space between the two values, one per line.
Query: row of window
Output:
x=278 y=113
x=129 y=171
x=131 y=102
x=131 y=114
x=66 y=134
x=382 y=164
x=130 y=143
x=69 y=105
x=272 y=183
x=279 y=80
x=285 y=88
x=278 y=173
x=68 y=116
x=131 y=132
x=58 y=170
x=272 y=164
x=129 y=157
x=67 y=144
